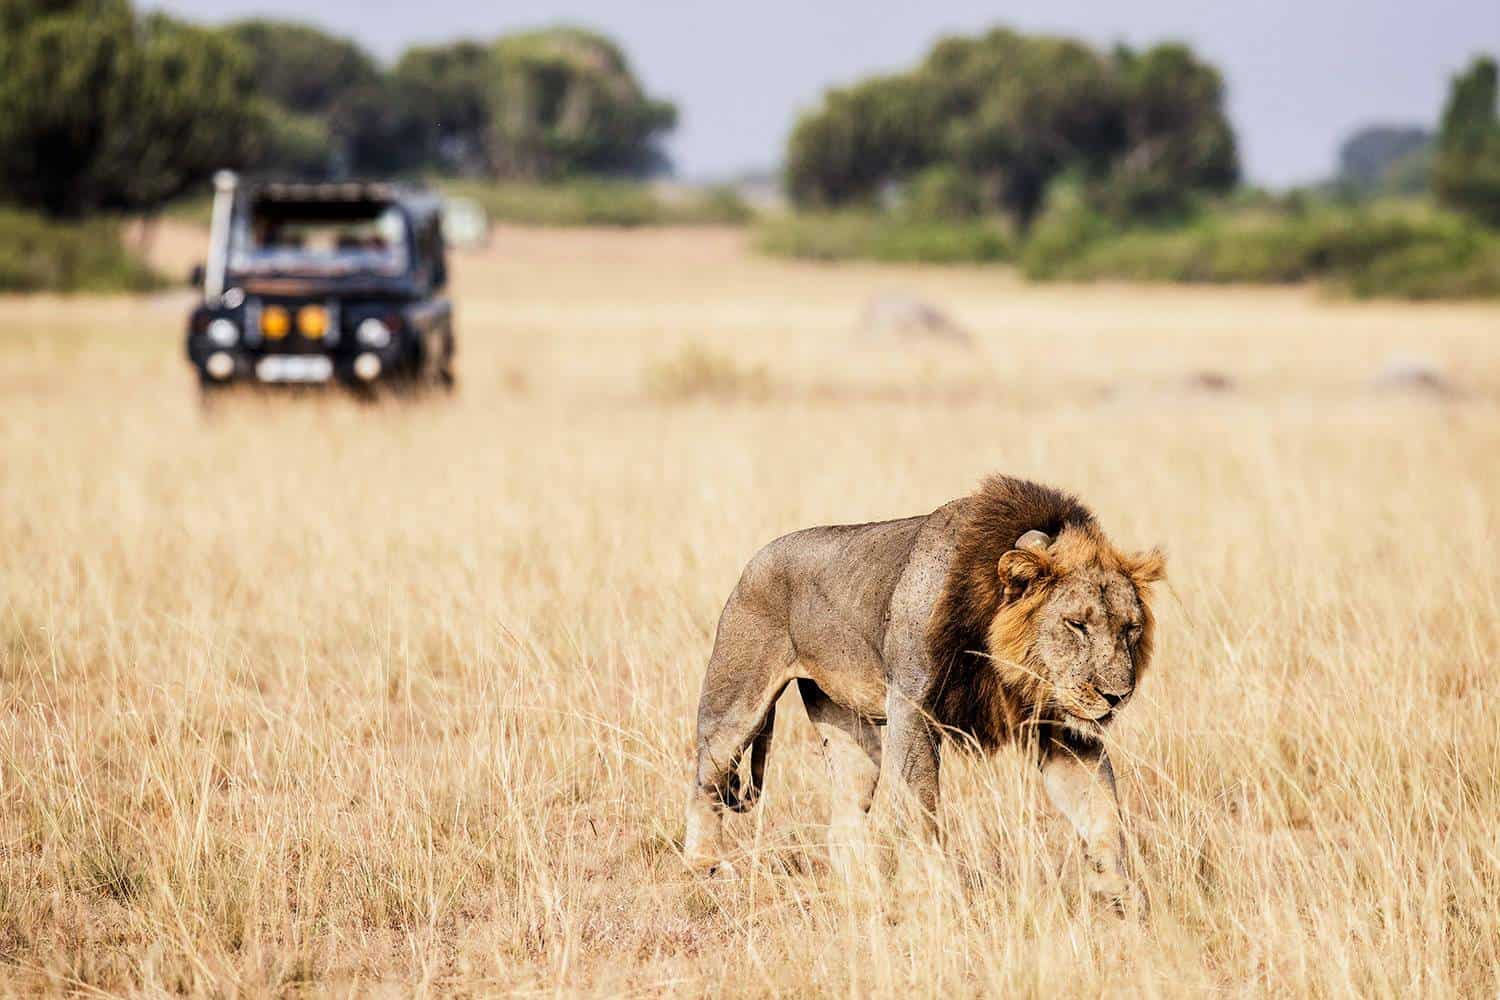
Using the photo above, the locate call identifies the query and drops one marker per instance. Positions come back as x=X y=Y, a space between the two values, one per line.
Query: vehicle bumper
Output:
x=226 y=367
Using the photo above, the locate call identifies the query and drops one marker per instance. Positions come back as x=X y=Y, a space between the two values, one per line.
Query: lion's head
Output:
x=1074 y=629
x=1040 y=618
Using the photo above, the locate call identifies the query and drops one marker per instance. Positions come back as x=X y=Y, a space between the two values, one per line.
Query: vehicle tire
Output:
x=368 y=393
x=210 y=397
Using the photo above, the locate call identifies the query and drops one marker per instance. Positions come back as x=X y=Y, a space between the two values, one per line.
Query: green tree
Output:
x=449 y=88
x=325 y=106
x=537 y=105
x=1029 y=110
x=1370 y=157
x=302 y=69
x=1178 y=138
x=1466 y=171
x=1013 y=114
x=100 y=109
x=565 y=101
x=290 y=144
x=377 y=130
x=860 y=139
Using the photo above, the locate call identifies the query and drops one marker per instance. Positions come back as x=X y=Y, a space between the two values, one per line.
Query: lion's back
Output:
x=852 y=565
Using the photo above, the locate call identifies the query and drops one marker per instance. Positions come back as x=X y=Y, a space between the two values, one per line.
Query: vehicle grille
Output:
x=294 y=342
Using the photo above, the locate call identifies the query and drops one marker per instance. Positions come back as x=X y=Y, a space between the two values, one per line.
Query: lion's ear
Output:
x=1147 y=567
x=1020 y=569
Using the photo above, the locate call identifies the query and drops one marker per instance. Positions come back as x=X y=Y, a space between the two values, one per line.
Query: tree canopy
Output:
x=540 y=104
x=1010 y=113
x=449 y=89
x=105 y=108
x=1386 y=158
x=300 y=67
x=1466 y=174
x=536 y=105
x=102 y=109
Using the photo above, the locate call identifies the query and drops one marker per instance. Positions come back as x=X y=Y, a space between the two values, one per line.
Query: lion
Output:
x=1004 y=616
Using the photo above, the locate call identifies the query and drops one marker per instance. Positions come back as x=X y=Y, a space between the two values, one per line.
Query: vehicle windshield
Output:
x=330 y=239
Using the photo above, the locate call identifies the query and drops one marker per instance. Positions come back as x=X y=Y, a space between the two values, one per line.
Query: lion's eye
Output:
x=1077 y=626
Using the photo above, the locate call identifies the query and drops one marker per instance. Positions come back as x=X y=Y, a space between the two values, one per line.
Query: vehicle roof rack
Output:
x=326 y=191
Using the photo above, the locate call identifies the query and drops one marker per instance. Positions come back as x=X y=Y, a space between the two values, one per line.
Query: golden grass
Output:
x=325 y=697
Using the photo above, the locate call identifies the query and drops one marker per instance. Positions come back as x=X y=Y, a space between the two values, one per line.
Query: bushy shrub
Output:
x=39 y=255
x=716 y=205
x=1067 y=225
x=1374 y=251
x=595 y=202
x=885 y=237
x=1455 y=270
x=944 y=193
x=696 y=372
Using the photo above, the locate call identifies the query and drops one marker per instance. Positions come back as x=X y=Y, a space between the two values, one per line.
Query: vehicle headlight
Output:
x=223 y=333
x=373 y=333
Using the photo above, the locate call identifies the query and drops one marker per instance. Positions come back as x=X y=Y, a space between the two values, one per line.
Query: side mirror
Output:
x=195 y=276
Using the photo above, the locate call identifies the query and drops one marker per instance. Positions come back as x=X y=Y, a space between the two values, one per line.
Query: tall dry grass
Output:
x=322 y=697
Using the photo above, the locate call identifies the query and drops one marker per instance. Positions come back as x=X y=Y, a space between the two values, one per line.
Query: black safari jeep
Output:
x=314 y=283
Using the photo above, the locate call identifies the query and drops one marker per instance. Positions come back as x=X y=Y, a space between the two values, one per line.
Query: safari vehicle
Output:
x=322 y=283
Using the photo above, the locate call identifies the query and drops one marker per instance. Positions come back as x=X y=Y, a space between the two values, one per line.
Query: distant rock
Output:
x=1210 y=381
x=1405 y=374
x=902 y=320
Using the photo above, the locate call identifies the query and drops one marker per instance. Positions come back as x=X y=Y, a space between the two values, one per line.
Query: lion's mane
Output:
x=979 y=639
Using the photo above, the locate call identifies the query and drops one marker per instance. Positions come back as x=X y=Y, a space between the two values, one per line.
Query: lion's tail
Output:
x=740 y=795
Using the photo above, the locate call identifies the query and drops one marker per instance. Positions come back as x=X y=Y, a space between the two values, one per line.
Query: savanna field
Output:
x=310 y=696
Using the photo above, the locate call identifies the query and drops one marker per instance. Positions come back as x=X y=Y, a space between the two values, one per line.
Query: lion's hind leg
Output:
x=741 y=795
x=736 y=713
x=851 y=750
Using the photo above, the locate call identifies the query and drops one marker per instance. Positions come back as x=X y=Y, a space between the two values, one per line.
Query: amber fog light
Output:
x=275 y=322
x=312 y=321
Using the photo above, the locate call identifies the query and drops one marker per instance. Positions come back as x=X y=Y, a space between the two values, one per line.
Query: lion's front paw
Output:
x=713 y=868
x=723 y=871
x=1123 y=897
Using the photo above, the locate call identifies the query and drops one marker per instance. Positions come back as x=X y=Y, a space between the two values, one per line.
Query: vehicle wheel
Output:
x=210 y=397
x=368 y=393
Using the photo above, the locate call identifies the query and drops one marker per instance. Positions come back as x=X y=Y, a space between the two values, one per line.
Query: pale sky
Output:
x=1301 y=73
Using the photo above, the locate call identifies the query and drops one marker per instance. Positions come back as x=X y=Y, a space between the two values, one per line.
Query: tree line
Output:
x=1466 y=165
x=987 y=124
x=104 y=108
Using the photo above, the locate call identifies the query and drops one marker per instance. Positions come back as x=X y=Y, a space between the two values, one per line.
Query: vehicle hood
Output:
x=320 y=286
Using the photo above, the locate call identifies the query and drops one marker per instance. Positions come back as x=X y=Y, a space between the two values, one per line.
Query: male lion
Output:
x=1004 y=615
